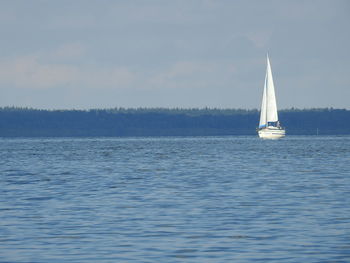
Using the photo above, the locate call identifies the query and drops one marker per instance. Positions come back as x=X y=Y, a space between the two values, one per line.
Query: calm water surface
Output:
x=215 y=199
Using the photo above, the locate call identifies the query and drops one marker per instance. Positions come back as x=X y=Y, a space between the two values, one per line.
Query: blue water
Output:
x=214 y=199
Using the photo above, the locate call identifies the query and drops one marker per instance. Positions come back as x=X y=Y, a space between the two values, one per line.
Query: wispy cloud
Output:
x=68 y=51
x=185 y=74
x=259 y=38
x=30 y=72
x=27 y=72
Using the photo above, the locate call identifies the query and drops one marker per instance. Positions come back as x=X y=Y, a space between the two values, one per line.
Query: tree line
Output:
x=27 y=122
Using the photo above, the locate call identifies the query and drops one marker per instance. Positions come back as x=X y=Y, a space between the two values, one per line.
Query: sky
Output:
x=178 y=53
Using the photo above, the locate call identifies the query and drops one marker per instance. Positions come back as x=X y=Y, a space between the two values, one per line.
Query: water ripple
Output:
x=210 y=199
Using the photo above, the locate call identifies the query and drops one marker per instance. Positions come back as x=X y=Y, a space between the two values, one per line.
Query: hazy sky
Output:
x=168 y=53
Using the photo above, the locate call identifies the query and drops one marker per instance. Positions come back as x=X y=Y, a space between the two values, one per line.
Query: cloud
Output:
x=30 y=72
x=184 y=74
x=27 y=72
x=68 y=51
x=111 y=78
x=260 y=38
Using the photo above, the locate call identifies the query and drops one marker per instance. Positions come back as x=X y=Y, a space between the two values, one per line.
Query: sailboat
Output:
x=269 y=125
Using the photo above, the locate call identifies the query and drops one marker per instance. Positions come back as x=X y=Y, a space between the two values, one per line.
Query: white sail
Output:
x=271 y=106
x=263 y=121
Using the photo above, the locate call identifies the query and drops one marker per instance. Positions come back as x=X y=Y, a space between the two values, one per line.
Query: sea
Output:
x=175 y=199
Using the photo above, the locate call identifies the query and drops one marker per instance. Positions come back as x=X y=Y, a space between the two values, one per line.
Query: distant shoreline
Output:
x=145 y=122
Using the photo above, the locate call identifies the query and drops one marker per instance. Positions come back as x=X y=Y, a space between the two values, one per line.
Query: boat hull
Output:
x=271 y=133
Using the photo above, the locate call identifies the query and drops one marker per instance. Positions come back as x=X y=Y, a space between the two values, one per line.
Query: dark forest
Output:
x=25 y=122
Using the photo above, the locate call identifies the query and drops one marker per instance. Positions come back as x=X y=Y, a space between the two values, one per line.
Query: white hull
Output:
x=272 y=133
